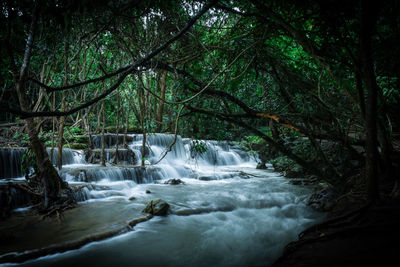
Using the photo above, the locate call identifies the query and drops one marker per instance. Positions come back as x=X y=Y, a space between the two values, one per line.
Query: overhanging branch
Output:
x=125 y=72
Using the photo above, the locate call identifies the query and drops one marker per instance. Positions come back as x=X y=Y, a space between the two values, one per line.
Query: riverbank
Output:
x=367 y=236
x=354 y=233
x=26 y=236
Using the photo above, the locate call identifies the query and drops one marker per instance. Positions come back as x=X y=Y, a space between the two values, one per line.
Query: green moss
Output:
x=132 y=129
x=76 y=146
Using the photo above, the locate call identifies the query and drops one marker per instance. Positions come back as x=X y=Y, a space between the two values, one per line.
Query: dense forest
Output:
x=309 y=86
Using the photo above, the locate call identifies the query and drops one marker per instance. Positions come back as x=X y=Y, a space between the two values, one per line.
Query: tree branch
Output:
x=125 y=72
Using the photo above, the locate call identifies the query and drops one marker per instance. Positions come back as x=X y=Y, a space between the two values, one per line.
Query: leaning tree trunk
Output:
x=49 y=177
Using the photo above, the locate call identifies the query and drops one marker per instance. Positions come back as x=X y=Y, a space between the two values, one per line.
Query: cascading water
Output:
x=226 y=213
x=10 y=162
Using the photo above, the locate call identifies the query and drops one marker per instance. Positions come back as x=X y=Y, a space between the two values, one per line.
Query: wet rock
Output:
x=81 y=192
x=303 y=181
x=261 y=166
x=297 y=182
x=110 y=140
x=157 y=207
x=125 y=156
x=148 y=191
x=323 y=198
x=76 y=146
x=174 y=181
x=206 y=178
x=132 y=198
x=292 y=174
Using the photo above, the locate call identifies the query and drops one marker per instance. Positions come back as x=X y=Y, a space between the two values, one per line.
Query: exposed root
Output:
x=29 y=190
x=338 y=221
x=341 y=232
x=58 y=209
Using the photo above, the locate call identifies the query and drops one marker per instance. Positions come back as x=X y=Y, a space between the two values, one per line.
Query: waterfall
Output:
x=97 y=173
x=82 y=167
x=10 y=162
x=69 y=156
x=177 y=163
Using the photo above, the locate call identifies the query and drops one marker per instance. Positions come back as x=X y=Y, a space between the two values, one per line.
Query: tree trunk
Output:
x=126 y=126
x=50 y=180
x=274 y=130
x=159 y=117
x=54 y=128
x=63 y=104
x=368 y=20
x=142 y=106
x=99 y=118
x=143 y=146
x=61 y=134
x=116 y=158
x=103 y=151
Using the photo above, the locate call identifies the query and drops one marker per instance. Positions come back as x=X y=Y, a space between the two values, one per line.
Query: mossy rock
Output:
x=77 y=138
x=283 y=163
x=157 y=207
x=76 y=146
x=261 y=166
x=113 y=129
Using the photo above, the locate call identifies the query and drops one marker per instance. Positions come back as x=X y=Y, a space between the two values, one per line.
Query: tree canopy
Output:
x=321 y=70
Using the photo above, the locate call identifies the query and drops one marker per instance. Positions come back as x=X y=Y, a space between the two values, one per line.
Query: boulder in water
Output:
x=261 y=166
x=148 y=191
x=174 y=181
x=157 y=207
x=207 y=178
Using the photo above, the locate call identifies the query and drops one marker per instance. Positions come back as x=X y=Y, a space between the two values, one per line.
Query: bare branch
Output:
x=132 y=67
x=128 y=70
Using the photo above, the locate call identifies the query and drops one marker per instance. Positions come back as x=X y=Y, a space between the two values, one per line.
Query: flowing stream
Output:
x=226 y=213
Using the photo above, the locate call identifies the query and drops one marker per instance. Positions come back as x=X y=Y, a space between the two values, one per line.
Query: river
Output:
x=226 y=213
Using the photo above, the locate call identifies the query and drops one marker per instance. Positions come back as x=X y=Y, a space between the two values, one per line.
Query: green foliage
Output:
x=283 y=163
x=303 y=148
x=74 y=130
x=29 y=161
x=19 y=135
x=197 y=148
x=22 y=137
x=76 y=146
x=303 y=73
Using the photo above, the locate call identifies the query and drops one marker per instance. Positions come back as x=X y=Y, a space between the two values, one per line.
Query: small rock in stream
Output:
x=174 y=181
x=148 y=191
x=132 y=198
x=157 y=207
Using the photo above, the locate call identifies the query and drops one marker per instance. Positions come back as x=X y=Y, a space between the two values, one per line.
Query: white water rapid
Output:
x=226 y=213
